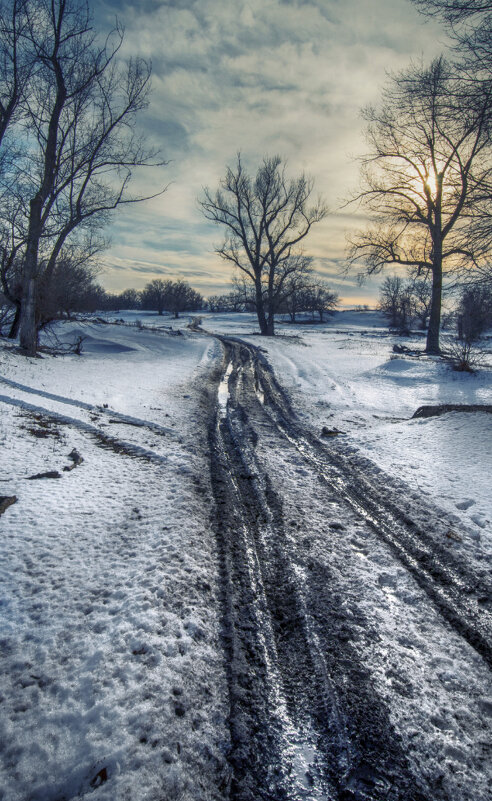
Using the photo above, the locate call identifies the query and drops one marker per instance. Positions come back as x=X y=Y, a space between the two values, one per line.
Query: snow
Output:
x=343 y=374
x=435 y=685
x=111 y=675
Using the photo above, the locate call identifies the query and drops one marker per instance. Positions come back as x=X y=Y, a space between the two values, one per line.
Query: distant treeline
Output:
x=306 y=295
x=158 y=295
x=73 y=289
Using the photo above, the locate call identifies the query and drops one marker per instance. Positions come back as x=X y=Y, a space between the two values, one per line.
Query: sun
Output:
x=431 y=183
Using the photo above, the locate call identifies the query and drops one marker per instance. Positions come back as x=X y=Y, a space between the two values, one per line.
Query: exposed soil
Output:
x=444 y=408
x=306 y=718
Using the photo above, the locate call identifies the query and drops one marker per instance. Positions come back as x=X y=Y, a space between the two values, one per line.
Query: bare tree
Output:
x=11 y=268
x=171 y=296
x=130 y=299
x=474 y=312
x=420 y=300
x=80 y=114
x=17 y=62
x=320 y=299
x=292 y=283
x=426 y=180
x=154 y=295
x=297 y=295
x=390 y=296
x=66 y=289
x=230 y=302
x=307 y=294
x=265 y=218
x=182 y=297
x=403 y=302
x=454 y=11
x=469 y=23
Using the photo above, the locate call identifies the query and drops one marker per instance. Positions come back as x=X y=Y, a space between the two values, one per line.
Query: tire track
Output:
x=102 y=439
x=116 y=417
x=462 y=596
x=305 y=720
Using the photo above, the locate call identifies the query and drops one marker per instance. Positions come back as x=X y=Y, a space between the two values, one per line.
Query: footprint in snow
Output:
x=479 y=520
x=465 y=504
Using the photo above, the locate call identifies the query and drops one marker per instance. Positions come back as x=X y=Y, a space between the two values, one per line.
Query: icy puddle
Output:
x=223 y=392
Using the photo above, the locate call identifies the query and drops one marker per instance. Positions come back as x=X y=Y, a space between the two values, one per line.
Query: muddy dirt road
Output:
x=358 y=647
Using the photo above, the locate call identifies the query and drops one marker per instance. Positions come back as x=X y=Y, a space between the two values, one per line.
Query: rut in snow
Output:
x=305 y=720
x=462 y=596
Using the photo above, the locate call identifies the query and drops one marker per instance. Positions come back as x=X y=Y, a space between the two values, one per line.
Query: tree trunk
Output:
x=432 y=345
x=271 y=303
x=270 y=332
x=28 y=331
x=14 y=328
x=260 y=310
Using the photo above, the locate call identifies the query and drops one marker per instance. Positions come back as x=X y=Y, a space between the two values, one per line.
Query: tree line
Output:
x=406 y=302
x=76 y=290
x=160 y=296
x=303 y=293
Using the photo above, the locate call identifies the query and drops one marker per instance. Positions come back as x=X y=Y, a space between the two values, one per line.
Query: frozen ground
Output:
x=111 y=675
x=111 y=680
x=344 y=374
x=360 y=600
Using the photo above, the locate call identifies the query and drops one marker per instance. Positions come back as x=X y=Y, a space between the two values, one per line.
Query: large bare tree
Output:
x=266 y=218
x=17 y=64
x=426 y=180
x=469 y=25
x=80 y=147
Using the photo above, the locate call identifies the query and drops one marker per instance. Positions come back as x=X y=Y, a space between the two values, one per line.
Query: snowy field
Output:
x=111 y=676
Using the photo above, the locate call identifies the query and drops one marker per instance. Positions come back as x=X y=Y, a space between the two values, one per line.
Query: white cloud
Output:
x=260 y=76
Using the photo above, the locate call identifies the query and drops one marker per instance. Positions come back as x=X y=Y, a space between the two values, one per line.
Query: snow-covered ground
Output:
x=111 y=677
x=343 y=374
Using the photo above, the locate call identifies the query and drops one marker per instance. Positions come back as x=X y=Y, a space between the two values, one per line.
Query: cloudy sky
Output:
x=261 y=77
